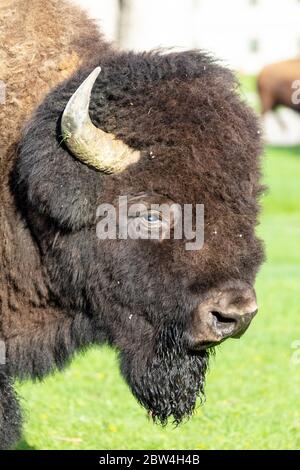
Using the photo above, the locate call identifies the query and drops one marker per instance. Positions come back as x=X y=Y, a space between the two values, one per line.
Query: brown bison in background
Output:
x=279 y=84
x=155 y=128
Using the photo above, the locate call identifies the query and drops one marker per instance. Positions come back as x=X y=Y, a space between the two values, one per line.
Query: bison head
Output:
x=158 y=129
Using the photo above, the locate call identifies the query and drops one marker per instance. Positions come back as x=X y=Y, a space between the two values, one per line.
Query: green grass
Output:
x=253 y=388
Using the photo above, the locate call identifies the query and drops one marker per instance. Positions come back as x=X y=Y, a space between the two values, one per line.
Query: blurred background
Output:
x=253 y=388
x=245 y=34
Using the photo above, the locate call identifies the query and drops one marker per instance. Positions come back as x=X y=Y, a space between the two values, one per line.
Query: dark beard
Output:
x=167 y=379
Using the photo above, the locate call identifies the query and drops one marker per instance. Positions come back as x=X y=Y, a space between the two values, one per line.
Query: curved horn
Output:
x=89 y=144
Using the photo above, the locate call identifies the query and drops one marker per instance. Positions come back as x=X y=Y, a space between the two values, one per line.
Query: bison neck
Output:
x=38 y=334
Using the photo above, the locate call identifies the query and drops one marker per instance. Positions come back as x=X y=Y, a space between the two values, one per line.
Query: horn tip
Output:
x=96 y=71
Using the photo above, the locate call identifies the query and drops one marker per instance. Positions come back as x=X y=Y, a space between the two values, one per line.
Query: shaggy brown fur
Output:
x=41 y=44
x=274 y=85
x=62 y=288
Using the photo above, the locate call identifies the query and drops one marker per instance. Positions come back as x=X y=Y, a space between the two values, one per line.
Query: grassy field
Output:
x=253 y=388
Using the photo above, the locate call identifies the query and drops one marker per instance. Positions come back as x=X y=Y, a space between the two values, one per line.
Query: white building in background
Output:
x=246 y=34
x=250 y=33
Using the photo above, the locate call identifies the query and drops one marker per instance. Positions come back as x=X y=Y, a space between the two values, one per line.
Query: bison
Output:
x=279 y=84
x=159 y=129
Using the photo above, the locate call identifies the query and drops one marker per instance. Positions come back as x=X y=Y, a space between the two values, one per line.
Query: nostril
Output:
x=222 y=318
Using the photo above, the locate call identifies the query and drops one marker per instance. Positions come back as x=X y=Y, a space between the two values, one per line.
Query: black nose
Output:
x=230 y=324
x=225 y=313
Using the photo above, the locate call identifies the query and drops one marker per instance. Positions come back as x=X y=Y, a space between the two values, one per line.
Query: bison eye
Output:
x=150 y=223
x=151 y=217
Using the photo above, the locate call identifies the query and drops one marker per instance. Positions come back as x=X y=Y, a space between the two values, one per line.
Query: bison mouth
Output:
x=166 y=378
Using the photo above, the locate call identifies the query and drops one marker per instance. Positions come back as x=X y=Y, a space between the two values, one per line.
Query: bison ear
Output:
x=67 y=195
